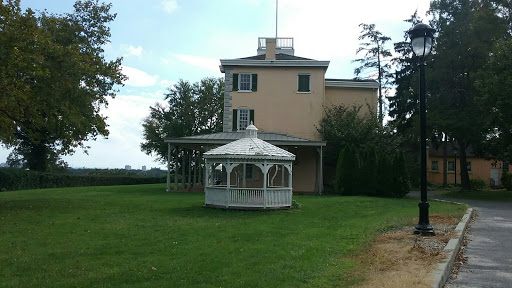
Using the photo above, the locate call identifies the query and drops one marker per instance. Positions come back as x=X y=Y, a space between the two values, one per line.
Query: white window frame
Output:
x=239 y=128
x=469 y=166
x=240 y=76
x=309 y=84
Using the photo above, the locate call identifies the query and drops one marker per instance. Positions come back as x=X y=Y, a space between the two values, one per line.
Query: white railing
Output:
x=281 y=43
x=248 y=197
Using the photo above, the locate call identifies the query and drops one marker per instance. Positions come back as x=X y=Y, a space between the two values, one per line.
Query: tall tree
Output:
x=493 y=83
x=376 y=59
x=54 y=80
x=467 y=31
x=403 y=106
x=191 y=109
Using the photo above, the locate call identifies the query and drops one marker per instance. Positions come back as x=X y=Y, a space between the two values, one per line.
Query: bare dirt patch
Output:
x=399 y=258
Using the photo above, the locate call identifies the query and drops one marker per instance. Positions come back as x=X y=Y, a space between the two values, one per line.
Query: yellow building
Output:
x=284 y=96
x=478 y=168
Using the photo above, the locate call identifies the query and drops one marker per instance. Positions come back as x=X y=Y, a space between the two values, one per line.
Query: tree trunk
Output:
x=38 y=158
x=464 y=175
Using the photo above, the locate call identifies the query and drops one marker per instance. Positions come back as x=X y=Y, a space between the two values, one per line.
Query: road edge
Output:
x=443 y=270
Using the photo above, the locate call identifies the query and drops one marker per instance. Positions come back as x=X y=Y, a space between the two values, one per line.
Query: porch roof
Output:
x=222 y=138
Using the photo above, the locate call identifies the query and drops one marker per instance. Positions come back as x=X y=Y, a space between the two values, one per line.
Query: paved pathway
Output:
x=489 y=250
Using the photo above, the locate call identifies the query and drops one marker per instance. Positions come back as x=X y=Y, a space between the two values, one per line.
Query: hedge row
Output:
x=19 y=179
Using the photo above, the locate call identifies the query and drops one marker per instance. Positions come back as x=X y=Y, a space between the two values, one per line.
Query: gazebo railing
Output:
x=249 y=197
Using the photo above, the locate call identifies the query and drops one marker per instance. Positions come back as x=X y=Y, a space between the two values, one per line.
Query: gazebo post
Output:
x=168 y=184
x=176 y=168
x=290 y=176
x=194 y=177
x=265 y=179
x=189 y=164
x=183 y=178
x=228 y=182
x=244 y=182
x=282 y=175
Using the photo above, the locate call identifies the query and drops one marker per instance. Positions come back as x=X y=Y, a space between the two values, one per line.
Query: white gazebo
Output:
x=234 y=189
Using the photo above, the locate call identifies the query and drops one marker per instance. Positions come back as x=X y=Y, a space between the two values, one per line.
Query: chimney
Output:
x=270 y=53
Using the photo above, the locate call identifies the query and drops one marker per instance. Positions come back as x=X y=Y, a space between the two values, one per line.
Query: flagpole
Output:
x=276 y=16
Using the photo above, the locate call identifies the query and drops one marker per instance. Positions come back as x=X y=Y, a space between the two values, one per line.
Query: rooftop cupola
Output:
x=272 y=46
x=251 y=131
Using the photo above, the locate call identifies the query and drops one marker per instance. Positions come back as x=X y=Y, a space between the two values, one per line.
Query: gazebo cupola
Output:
x=242 y=174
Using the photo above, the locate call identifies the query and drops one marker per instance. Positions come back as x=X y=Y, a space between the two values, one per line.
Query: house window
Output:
x=434 y=166
x=245 y=82
x=505 y=166
x=468 y=165
x=242 y=117
x=303 y=83
x=451 y=166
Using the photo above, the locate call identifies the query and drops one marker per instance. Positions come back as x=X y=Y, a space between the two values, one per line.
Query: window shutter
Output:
x=235 y=118
x=251 y=116
x=235 y=82
x=254 y=82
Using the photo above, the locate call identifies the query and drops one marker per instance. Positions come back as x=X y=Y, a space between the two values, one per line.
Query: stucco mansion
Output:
x=284 y=96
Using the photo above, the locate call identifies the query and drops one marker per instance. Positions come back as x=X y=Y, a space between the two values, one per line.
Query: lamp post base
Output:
x=423 y=227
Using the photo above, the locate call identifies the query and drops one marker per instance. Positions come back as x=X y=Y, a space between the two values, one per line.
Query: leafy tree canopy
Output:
x=191 y=109
x=54 y=80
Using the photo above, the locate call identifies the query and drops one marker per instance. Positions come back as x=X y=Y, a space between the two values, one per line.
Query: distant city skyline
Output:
x=163 y=41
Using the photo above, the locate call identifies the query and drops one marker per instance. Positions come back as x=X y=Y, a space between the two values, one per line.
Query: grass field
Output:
x=141 y=236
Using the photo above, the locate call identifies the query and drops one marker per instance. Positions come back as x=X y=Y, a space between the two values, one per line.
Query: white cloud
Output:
x=202 y=62
x=130 y=50
x=138 y=78
x=328 y=30
x=125 y=114
x=169 y=6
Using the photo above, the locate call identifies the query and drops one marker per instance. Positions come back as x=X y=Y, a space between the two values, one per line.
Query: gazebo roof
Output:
x=250 y=147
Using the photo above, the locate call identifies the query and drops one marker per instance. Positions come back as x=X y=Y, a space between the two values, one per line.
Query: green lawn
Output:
x=483 y=195
x=141 y=236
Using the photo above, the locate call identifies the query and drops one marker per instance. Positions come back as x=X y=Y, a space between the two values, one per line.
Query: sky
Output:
x=163 y=41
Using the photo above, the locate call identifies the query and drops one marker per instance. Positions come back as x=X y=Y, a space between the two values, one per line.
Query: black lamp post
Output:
x=421 y=42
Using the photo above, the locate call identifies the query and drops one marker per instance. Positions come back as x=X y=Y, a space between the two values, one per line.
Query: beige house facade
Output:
x=284 y=96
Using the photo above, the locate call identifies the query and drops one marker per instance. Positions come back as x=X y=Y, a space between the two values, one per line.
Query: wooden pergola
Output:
x=234 y=158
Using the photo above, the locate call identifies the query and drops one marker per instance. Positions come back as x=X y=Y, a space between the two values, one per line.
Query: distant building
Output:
x=127 y=167
x=144 y=168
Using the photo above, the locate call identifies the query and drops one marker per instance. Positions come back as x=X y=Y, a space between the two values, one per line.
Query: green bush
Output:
x=19 y=179
x=506 y=181
x=477 y=184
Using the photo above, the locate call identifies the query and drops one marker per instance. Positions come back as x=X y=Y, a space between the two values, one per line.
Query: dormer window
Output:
x=245 y=82
x=304 y=83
